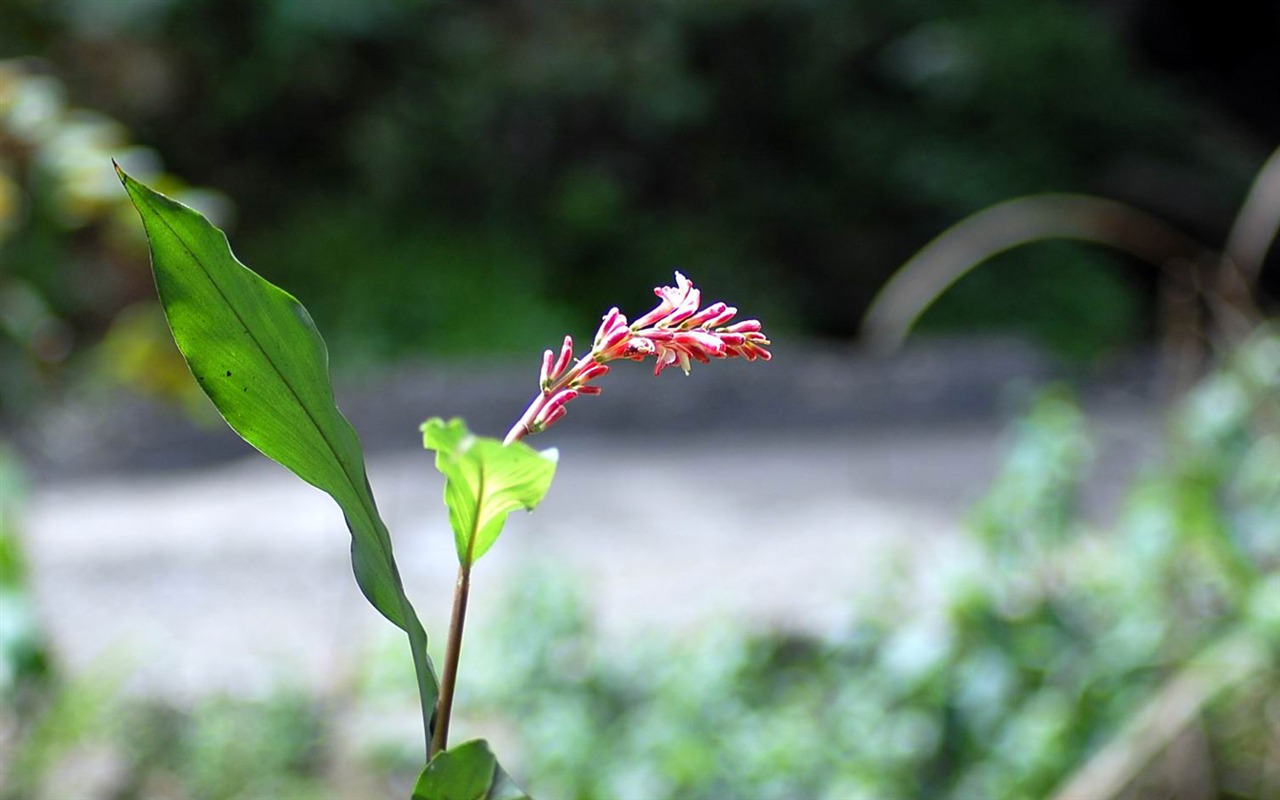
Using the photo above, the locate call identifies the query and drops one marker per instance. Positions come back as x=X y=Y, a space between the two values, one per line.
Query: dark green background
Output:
x=454 y=177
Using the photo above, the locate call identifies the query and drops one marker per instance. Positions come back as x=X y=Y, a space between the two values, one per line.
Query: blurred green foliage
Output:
x=41 y=717
x=996 y=672
x=445 y=175
x=73 y=270
x=92 y=743
x=994 y=675
x=225 y=748
x=26 y=668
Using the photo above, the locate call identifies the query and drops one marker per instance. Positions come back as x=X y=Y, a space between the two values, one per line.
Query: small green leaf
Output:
x=466 y=772
x=485 y=481
x=255 y=351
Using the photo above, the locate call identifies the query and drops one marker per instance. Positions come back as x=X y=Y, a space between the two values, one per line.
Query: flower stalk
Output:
x=678 y=330
x=452 y=654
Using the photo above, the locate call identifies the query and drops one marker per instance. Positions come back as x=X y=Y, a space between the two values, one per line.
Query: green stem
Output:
x=453 y=649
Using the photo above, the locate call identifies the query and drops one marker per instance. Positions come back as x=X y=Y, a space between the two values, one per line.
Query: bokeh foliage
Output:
x=996 y=673
x=1029 y=646
x=485 y=163
x=73 y=271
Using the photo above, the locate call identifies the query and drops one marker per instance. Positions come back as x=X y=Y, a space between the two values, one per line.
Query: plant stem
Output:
x=521 y=428
x=453 y=649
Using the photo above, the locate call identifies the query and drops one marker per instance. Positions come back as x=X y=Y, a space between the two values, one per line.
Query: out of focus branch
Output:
x=1251 y=237
x=965 y=245
x=1175 y=707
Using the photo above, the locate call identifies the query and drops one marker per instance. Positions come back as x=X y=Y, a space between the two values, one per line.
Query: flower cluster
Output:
x=676 y=331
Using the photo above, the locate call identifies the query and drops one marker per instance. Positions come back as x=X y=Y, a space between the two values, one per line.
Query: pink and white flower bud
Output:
x=745 y=326
x=752 y=348
x=562 y=363
x=664 y=308
x=545 y=421
x=612 y=320
x=686 y=309
x=700 y=340
x=613 y=339
x=707 y=314
x=544 y=380
x=674 y=299
x=721 y=318
x=590 y=373
x=556 y=403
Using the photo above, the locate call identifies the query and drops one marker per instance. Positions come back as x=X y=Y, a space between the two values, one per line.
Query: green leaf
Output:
x=466 y=772
x=255 y=351
x=485 y=481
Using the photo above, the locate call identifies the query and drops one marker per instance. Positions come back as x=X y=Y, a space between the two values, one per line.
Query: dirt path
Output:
x=232 y=577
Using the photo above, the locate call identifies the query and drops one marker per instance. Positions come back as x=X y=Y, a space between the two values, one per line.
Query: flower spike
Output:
x=675 y=331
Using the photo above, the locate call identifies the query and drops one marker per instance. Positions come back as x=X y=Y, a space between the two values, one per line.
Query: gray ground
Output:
x=678 y=504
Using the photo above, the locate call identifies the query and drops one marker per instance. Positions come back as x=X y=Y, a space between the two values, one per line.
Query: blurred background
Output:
x=1032 y=551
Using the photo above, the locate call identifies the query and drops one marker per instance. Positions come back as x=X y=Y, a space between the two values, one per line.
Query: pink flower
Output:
x=675 y=331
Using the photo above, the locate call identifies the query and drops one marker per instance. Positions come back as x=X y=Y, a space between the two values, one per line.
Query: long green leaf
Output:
x=485 y=481
x=466 y=772
x=255 y=351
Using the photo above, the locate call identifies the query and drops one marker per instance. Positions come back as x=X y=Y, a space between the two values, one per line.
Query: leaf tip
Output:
x=119 y=172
